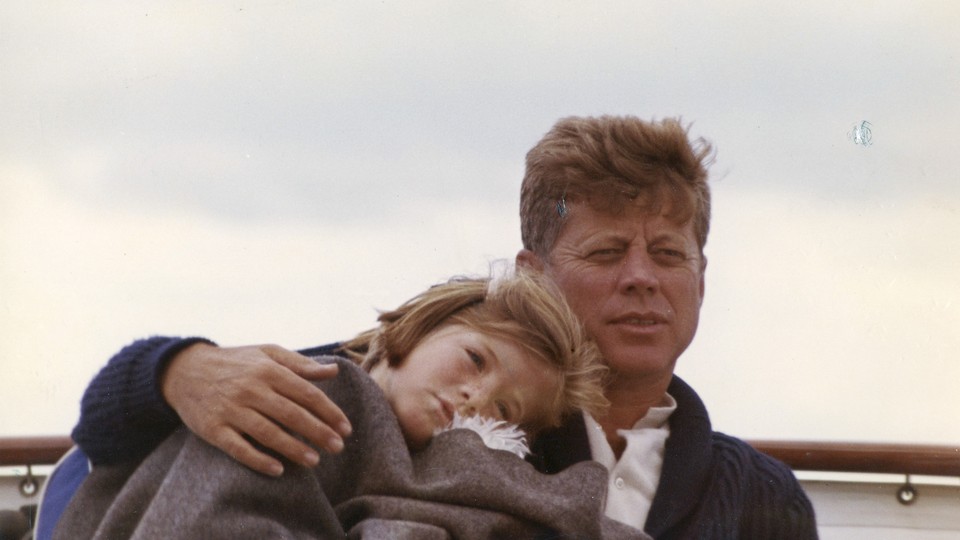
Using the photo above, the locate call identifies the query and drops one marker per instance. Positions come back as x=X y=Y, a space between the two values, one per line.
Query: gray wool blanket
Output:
x=375 y=488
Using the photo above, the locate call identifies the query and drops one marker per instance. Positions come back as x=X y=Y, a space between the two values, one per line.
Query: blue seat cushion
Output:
x=63 y=482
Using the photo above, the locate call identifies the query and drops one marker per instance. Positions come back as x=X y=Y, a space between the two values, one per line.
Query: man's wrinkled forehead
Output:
x=674 y=204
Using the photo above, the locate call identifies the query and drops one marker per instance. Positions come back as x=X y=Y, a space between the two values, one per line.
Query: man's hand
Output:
x=222 y=394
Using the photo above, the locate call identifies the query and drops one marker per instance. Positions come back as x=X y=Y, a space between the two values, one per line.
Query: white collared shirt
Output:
x=634 y=478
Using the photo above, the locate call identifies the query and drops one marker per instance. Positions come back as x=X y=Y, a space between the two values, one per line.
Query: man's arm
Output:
x=123 y=416
x=227 y=396
x=778 y=507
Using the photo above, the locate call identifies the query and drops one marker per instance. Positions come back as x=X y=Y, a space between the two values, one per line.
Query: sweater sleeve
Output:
x=774 y=505
x=780 y=507
x=123 y=415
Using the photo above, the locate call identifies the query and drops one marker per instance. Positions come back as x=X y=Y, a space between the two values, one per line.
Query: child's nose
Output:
x=477 y=401
x=489 y=410
x=481 y=405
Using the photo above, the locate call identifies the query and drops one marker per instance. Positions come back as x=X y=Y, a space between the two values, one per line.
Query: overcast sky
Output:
x=276 y=171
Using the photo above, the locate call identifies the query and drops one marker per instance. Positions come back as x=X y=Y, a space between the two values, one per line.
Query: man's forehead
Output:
x=585 y=220
x=655 y=198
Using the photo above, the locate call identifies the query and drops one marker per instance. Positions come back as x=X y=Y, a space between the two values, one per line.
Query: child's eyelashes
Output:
x=480 y=361
x=477 y=359
x=503 y=410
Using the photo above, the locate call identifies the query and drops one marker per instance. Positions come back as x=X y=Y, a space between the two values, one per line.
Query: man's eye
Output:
x=477 y=359
x=671 y=255
x=604 y=253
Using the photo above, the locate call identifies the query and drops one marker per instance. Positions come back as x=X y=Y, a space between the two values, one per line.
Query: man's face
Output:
x=635 y=280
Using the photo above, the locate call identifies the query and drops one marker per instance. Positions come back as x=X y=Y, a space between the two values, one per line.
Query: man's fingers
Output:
x=311 y=398
x=299 y=364
x=277 y=439
x=293 y=416
x=241 y=450
x=309 y=412
x=264 y=392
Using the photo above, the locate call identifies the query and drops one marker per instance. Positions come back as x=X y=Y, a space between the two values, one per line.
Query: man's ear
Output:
x=529 y=260
x=703 y=274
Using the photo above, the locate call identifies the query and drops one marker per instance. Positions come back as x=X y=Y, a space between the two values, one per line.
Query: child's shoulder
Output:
x=350 y=379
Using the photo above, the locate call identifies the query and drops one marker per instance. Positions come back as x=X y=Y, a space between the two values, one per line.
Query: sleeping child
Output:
x=504 y=356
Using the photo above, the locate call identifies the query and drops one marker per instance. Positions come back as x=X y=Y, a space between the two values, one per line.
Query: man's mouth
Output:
x=641 y=319
x=632 y=320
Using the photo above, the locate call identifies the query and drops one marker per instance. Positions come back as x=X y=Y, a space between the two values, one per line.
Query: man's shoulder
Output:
x=725 y=451
x=773 y=502
x=754 y=469
x=733 y=449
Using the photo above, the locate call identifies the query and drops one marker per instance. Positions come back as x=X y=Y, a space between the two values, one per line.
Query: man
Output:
x=616 y=211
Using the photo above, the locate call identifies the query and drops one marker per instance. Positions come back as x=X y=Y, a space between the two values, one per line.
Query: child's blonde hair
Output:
x=523 y=307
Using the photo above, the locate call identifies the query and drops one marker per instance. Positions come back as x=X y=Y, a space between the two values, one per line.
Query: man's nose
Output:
x=638 y=273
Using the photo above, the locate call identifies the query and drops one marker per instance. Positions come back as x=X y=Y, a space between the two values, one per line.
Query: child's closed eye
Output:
x=504 y=411
x=477 y=359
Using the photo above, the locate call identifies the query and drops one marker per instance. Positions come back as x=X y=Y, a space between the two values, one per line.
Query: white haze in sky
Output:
x=276 y=171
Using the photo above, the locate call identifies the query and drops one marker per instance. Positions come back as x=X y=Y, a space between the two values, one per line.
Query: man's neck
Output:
x=628 y=404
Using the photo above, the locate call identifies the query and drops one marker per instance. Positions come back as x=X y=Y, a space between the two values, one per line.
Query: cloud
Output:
x=842 y=314
x=257 y=172
x=213 y=107
x=79 y=281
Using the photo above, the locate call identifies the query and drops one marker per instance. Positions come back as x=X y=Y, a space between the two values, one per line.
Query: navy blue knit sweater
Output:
x=712 y=486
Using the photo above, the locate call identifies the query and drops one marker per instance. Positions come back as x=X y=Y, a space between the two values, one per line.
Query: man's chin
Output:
x=640 y=363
